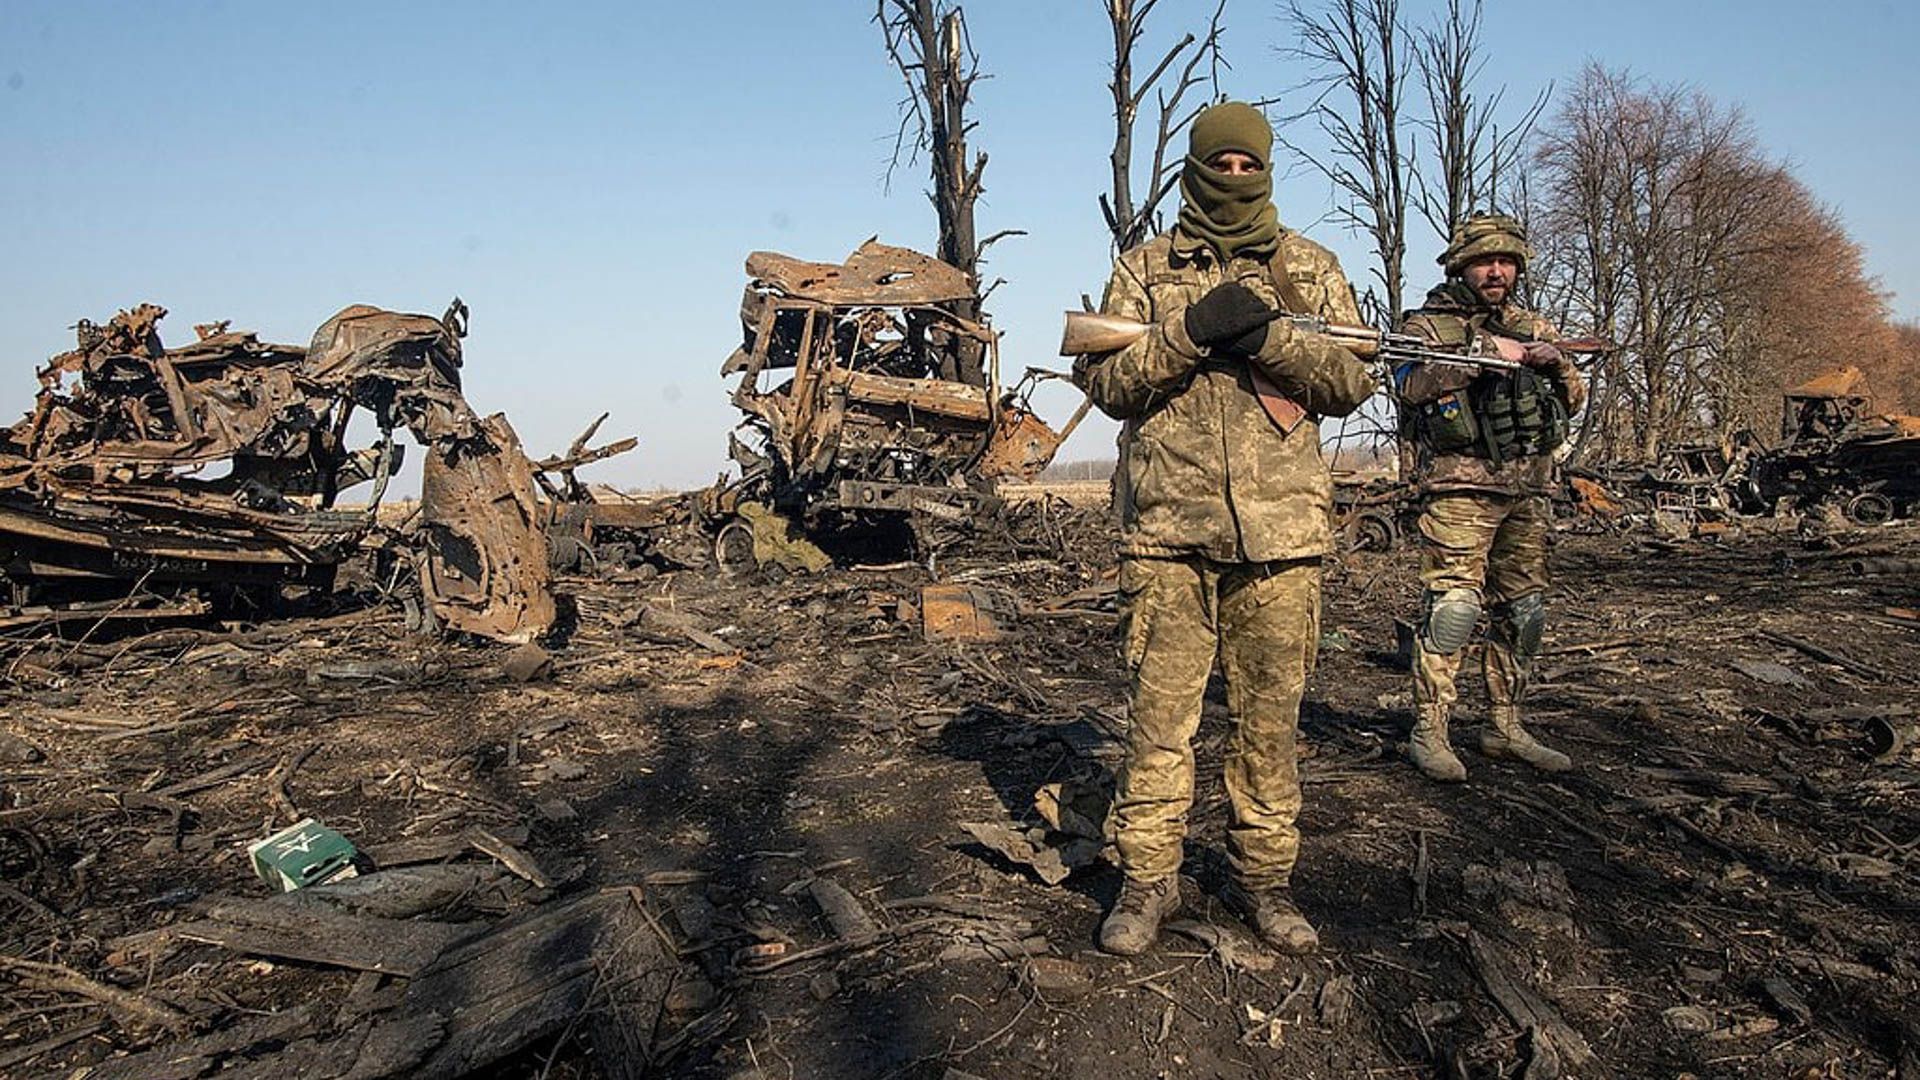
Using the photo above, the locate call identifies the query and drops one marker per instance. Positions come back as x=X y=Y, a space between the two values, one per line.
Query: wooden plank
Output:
x=359 y=942
x=396 y=894
x=194 y=1057
x=531 y=978
x=1522 y=1005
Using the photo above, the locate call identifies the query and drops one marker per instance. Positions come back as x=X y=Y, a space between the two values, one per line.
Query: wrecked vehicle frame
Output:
x=871 y=390
x=101 y=492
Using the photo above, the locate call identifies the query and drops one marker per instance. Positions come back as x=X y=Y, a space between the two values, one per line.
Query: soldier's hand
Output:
x=1541 y=354
x=1230 y=318
x=1504 y=348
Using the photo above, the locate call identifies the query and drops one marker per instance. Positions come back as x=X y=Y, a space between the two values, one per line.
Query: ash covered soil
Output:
x=1724 y=887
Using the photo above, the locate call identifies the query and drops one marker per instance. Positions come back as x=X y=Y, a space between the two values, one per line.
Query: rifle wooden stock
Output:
x=1089 y=332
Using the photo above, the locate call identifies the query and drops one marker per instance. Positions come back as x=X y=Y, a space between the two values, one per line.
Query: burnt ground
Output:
x=1724 y=887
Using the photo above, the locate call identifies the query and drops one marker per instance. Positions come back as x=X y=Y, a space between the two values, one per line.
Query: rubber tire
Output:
x=1370 y=532
x=1869 y=508
x=733 y=548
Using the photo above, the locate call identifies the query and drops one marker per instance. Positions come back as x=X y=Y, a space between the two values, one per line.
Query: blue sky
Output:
x=590 y=178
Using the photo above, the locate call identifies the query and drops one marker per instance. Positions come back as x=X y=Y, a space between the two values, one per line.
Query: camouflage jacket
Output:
x=1449 y=325
x=1202 y=468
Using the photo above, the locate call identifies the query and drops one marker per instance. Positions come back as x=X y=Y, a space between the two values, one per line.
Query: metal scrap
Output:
x=966 y=612
x=220 y=464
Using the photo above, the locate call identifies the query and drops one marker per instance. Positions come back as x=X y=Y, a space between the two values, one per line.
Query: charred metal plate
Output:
x=966 y=613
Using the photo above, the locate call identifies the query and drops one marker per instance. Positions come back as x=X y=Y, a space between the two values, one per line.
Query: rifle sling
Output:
x=1285 y=412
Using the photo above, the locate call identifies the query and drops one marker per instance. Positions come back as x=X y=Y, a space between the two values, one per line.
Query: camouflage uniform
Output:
x=1484 y=531
x=1224 y=519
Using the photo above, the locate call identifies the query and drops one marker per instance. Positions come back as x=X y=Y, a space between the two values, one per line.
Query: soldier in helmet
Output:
x=1224 y=501
x=1484 y=444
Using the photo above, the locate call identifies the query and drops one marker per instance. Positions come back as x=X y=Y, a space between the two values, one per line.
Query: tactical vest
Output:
x=1498 y=416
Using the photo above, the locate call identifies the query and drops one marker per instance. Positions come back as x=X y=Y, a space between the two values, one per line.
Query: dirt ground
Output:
x=1725 y=886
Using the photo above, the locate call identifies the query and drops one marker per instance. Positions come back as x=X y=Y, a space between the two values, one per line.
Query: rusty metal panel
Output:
x=966 y=613
x=874 y=274
x=486 y=562
x=1022 y=446
x=935 y=396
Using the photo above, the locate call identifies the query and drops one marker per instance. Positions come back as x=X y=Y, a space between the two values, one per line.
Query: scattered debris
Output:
x=1030 y=849
x=1335 y=1004
x=763 y=751
x=966 y=612
x=527 y=663
x=1058 y=979
x=1075 y=807
x=849 y=919
x=1771 y=673
x=15 y=750
x=1533 y=1013
x=1688 y=1020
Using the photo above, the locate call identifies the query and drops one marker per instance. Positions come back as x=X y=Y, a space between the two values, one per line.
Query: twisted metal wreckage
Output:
x=872 y=393
x=113 y=477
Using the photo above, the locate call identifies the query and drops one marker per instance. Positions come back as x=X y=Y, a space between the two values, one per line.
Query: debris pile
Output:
x=221 y=464
x=842 y=796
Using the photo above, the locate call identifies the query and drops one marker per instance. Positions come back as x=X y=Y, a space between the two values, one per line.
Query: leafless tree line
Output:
x=1660 y=222
x=1665 y=227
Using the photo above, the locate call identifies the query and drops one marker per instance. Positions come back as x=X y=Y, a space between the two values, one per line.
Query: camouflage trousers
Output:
x=1261 y=622
x=1496 y=546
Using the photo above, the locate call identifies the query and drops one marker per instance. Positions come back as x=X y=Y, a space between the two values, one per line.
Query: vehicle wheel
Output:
x=1370 y=533
x=733 y=548
x=1869 y=508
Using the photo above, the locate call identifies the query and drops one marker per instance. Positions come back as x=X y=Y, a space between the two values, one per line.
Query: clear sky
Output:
x=590 y=177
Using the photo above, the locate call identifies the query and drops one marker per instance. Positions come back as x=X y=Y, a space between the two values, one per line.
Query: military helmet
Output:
x=1484 y=234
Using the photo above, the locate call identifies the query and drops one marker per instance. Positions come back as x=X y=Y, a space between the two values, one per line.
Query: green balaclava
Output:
x=1233 y=215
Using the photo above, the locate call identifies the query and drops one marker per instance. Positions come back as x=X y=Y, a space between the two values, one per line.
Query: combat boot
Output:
x=1134 y=922
x=1274 y=917
x=1430 y=750
x=1509 y=739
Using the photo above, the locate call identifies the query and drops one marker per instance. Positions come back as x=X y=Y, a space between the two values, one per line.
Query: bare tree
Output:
x=1359 y=58
x=928 y=41
x=1132 y=223
x=1472 y=159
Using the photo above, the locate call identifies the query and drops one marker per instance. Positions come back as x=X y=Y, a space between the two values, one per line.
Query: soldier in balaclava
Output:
x=1224 y=500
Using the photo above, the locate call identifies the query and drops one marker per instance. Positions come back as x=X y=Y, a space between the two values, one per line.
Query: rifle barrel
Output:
x=1397 y=354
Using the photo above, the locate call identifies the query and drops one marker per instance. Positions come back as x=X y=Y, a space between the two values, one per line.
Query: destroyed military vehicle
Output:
x=1833 y=451
x=144 y=476
x=872 y=393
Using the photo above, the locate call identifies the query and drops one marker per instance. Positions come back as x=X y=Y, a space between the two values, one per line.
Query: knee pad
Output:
x=1520 y=623
x=1451 y=617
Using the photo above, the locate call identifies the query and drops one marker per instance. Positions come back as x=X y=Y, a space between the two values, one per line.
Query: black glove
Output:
x=1230 y=319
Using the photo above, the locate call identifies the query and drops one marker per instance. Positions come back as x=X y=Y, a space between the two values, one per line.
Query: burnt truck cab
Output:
x=873 y=387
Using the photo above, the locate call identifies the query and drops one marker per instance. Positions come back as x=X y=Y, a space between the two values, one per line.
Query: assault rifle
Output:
x=1089 y=332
